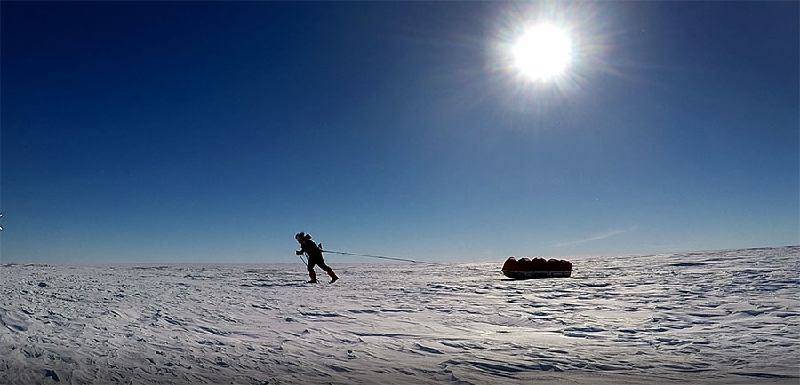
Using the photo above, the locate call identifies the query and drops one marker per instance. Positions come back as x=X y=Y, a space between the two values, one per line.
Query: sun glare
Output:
x=543 y=52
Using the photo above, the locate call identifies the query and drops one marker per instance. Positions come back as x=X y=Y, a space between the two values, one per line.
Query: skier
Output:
x=314 y=253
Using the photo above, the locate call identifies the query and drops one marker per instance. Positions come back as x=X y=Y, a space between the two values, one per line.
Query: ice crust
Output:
x=704 y=317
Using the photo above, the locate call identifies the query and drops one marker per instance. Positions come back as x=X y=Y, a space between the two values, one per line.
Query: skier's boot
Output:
x=333 y=276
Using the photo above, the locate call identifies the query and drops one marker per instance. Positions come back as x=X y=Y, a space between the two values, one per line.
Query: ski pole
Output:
x=303 y=259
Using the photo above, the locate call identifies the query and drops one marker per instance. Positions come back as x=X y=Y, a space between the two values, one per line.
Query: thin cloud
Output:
x=596 y=237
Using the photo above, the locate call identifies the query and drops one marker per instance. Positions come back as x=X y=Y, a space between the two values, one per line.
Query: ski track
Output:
x=703 y=317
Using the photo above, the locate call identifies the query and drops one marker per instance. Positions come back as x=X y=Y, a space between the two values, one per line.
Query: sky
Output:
x=213 y=132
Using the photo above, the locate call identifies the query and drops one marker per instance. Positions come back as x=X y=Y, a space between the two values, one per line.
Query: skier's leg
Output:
x=312 y=275
x=328 y=270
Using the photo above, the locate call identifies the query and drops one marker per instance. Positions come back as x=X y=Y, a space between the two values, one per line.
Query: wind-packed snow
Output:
x=704 y=317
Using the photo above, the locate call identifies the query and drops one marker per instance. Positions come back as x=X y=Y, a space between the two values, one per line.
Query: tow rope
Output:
x=371 y=256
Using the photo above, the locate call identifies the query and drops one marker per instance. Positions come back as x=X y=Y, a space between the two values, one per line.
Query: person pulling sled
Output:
x=314 y=253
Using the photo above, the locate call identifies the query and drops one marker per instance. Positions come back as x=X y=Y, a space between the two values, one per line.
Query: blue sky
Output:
x=139 y=132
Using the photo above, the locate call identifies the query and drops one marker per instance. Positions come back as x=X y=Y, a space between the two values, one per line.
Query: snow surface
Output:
x=704 y=317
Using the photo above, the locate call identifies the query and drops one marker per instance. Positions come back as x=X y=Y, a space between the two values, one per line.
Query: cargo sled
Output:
x=525 y=268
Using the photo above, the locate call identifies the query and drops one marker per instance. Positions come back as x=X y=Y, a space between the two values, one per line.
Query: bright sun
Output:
x=543 y=52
